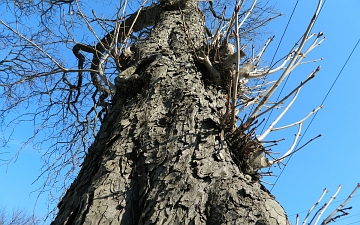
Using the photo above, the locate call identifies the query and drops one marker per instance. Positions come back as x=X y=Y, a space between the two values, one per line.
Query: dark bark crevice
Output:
x=160 y=157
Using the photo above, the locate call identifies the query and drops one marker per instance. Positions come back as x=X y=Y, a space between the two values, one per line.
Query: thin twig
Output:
x=236 y=77
x=313 y=207
x=330 y=217
x=327 y=204
x=33 y=44
x=289 y=68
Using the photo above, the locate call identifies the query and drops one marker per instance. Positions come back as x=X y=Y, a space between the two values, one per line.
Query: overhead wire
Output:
x=278 y=177
x=312 y=119
x=277 y=48
x=287 y=78
x=334 y=202
x=324 y=99
x=353 y=222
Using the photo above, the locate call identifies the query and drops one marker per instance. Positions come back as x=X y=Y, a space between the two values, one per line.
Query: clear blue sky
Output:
x=332 y=159
x=329 y=161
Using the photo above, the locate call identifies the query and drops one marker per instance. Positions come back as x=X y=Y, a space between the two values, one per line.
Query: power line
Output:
x=334 y=202
x=277 y=48
x=348 y=217
x=341 y=71
x=278 y=98
x=353 y=222
x=286 y=27
x=287 y=78
x=327 y=94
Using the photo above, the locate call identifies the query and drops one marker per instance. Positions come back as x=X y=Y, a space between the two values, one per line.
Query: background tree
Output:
x=164 y=132
x=17 y=217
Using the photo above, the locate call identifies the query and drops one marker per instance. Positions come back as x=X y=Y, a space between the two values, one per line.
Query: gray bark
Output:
x=160 y=156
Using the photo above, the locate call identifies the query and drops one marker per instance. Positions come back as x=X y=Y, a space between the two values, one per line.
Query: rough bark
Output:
x=160 y=156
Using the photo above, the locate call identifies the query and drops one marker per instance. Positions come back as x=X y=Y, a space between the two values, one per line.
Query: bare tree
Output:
x=17 y=217
x=157 y=107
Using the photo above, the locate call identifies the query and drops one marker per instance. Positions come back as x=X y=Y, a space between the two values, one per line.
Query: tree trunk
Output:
x=160 y=156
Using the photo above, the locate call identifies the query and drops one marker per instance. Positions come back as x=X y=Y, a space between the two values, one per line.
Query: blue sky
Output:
x=332 y=159
x=327 y=162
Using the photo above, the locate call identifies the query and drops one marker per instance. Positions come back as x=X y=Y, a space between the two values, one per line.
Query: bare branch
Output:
x=236 y=77
x=311 y=76
x=298 y=122
x=267 y=131
x=338 y=209
x=327 y=204
x=33 y=44
x=289 y=68
x=313 y=207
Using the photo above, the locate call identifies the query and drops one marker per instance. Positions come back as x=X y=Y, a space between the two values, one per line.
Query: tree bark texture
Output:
x=160 y=156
